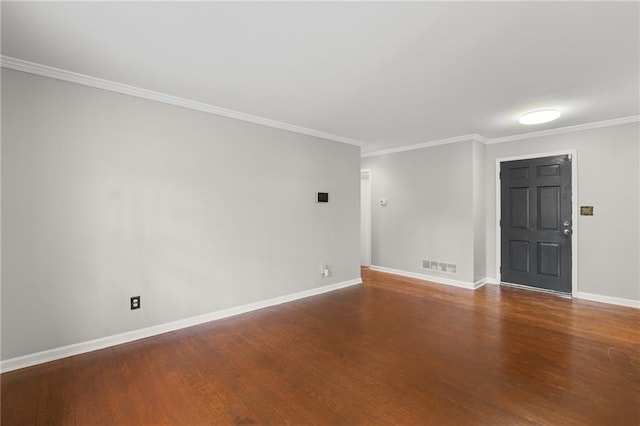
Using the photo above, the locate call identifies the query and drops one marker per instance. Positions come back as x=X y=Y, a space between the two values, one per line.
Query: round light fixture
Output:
x=539 y=117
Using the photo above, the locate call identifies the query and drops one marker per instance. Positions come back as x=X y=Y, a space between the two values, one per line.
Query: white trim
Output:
x=568 y=129
x=430 y=278
x=574 y=210
x=608 y=299
x=73 y=77
x=104 y=342
x=492 y=281
x=86 y=80
x=480 y=283
x=463 y=138
x=368 y=172
x=522 y=136
x=480 y=138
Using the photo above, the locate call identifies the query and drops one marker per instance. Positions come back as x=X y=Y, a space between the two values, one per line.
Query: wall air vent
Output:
x=437 y=266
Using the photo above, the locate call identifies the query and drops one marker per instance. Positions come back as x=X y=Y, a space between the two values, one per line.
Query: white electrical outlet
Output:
x=324 y=271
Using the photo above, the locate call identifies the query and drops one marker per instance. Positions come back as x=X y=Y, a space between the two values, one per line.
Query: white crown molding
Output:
x=480 y=138
x=73 y=77
x=463 y=138
x=568 y=129
x=92 y=345
x=430 y=278
x=512 y=138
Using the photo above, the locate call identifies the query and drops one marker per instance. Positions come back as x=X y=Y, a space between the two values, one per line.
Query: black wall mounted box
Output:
x=323 y=197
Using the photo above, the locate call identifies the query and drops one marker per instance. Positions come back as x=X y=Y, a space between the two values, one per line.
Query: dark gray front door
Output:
x=536 y=222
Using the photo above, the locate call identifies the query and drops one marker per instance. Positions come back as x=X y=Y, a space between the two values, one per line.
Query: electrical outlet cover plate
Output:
x=135 y=302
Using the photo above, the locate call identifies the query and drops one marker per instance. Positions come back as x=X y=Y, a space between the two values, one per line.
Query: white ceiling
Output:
x=388 y=74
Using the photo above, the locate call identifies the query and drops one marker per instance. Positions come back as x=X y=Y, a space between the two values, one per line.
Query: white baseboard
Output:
x=608 y=299
x=431 y=278
x=104 y=342
x=479 y=283
x=590 y=296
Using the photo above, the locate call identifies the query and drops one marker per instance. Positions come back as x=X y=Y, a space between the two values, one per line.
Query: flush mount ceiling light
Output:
x=539 y=117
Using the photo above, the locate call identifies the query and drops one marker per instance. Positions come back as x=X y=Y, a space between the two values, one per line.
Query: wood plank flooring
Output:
x=392 y=351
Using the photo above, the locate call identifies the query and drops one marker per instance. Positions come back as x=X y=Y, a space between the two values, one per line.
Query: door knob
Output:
x=566 y=232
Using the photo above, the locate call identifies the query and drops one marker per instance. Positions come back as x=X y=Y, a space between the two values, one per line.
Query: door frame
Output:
x=368 y=229
x=574 y=210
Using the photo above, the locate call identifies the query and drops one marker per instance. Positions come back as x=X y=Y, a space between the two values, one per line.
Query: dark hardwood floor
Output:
x=393 y=351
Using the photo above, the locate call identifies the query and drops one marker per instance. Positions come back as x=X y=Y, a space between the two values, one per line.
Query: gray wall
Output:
x=429 y=213
x=442 y=203
x=608 y=179
x=107 y=196
x=479 y=210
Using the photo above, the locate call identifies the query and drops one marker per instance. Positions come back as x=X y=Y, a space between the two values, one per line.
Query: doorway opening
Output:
x=536 y=221
x=365 y=217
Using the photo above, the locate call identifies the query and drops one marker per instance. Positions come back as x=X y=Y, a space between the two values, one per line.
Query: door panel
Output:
x=550 y=170
x=536 y=222
x=519 y=207
x=549 y=207
x=549 y=259
x=519 y=256
x=519 y=173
